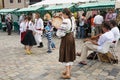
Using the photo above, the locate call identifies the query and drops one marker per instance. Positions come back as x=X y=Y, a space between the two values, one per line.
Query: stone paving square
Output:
x=15 y=65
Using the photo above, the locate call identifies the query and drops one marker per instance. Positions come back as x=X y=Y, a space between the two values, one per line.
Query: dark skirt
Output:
x=29 y=39
x=67 y=48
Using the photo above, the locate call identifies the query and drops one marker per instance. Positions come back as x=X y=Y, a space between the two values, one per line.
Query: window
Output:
x=11 y=1
x=19 y=1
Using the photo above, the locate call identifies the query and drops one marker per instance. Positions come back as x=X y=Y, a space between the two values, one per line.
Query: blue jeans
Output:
x=49 y=38
x=52 y=44
x=82 y=31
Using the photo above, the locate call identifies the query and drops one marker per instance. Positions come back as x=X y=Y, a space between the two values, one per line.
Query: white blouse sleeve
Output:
x=31 y=27
x=66 y=25
x=21 y=27
x=40 y=23
x=69 y=24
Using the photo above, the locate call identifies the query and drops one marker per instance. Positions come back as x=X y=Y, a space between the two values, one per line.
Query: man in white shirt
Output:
x=115 y=30
x=98 y=22
x=38 y=28
x=96 y=45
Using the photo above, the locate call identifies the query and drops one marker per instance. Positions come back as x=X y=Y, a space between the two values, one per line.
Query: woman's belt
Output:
x=39 y=29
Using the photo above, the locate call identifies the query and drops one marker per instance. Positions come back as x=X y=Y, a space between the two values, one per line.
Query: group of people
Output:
x=110 y=33
x=92 y=24
x=107 y=31
x=103 y=29
x=32 y=33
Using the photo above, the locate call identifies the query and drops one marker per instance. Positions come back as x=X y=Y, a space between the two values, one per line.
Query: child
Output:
x=48 y=30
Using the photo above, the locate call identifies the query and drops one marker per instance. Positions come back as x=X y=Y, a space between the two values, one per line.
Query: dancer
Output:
x=38 y=28
x=28 y=39
x=67 y=46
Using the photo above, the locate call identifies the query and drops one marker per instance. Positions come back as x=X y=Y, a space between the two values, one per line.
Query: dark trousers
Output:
x=9 y=29
x=82 y=32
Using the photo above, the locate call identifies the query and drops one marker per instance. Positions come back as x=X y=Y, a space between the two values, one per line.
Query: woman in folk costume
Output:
x=28 y=39
x=67 y=46
x=23 y=25
x=38 y=28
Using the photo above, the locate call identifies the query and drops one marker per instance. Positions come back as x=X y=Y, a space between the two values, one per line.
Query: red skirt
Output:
x=23 y=35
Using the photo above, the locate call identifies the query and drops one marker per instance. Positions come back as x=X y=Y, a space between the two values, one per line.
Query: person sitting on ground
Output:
x=96 y=45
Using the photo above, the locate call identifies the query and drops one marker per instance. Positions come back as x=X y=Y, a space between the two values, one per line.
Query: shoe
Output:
x=28 y=52
x=64 y=73
x=49 y=51
x=83 y=63
x=66 y=76
x=40 y=45
x=78 y=54
x=53 y=48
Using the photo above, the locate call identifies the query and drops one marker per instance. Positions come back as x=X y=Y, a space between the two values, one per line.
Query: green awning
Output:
x=98 y=5
x=58 y=7
x=29 y=9
x=7 y=10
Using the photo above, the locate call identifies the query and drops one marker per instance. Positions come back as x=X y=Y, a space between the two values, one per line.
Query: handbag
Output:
x=108 y=57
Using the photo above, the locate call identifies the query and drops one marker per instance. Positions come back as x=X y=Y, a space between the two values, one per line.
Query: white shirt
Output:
x=39 y=24
x=98 y=19
x=108 y=36
x=114 y=16
x=82 y=21
x=23 y=26
x=66 y=25
x=116 y=33
x=109 y=16
x=26 y=26
x=30 y=26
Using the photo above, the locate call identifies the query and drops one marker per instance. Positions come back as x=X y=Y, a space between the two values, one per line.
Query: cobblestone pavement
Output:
x=15 y=65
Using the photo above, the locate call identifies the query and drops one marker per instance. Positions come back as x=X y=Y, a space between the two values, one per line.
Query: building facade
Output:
x=1 y=4
x=16 y=3
x=33 y=1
